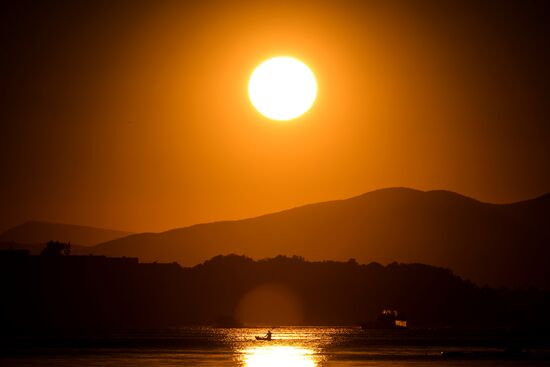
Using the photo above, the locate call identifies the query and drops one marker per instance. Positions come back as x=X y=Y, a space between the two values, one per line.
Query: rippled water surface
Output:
x=290 y=347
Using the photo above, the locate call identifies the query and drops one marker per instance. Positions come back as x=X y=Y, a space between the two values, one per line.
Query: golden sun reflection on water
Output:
x=286 y=356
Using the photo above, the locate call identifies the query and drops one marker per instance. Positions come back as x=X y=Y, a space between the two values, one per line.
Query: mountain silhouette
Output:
x=494 y=244
x=37 y=234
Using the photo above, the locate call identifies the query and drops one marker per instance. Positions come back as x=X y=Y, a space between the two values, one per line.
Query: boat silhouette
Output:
x=263 y=338
x=267 y=336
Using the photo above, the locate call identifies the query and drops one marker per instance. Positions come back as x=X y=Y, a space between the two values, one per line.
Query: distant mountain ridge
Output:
x=38 y=233
x=495 y=244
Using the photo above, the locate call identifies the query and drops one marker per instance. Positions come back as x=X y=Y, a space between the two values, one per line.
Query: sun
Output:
x=282 y=88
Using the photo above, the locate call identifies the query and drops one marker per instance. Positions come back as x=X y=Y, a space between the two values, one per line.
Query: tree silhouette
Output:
x=56 y=248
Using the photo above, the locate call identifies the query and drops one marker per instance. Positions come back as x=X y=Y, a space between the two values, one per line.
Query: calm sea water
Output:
x=290 y=347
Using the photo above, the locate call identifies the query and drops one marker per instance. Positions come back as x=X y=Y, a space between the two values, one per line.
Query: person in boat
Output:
x=268 y=335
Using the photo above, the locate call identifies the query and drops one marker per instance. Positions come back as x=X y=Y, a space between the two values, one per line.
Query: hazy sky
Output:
x=134 y=115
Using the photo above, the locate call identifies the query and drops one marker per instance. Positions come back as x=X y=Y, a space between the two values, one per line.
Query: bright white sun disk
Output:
x=282 y=88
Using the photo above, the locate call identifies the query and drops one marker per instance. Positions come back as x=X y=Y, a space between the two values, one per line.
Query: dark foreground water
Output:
x=290 y=347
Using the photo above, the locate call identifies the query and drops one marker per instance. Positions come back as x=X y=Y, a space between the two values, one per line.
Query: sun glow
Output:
x=282 y=88
x=277 y=356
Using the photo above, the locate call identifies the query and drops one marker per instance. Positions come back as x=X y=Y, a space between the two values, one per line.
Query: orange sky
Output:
x=136 y=117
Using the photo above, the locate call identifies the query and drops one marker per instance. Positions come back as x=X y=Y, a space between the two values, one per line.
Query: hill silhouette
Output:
x=85 y=293
x=498 y=245
x=37 y=233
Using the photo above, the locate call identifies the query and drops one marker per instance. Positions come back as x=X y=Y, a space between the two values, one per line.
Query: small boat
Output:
x=267 y=336
x=387 y=320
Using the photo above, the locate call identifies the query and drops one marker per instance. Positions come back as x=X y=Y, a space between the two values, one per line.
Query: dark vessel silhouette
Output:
x=388 y=319
x=267 y=336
